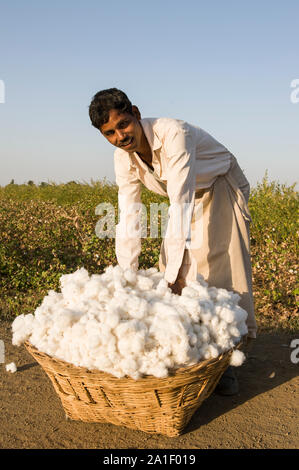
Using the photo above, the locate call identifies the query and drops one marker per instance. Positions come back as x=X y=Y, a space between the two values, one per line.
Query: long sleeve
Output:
x=127 y=236
x=181 y=178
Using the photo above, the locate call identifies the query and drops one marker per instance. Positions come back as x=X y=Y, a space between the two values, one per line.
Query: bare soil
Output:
x=263 y=415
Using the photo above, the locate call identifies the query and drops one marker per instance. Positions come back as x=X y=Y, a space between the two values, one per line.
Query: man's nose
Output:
x=120 y=134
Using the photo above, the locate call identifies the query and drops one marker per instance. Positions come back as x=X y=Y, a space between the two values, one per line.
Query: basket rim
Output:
x=177 y=373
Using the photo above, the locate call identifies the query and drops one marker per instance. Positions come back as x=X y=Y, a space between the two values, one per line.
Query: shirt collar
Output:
x=147 y=125
x=153 y=140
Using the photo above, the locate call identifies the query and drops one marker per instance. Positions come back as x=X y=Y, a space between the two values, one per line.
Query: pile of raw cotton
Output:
x=131 y=324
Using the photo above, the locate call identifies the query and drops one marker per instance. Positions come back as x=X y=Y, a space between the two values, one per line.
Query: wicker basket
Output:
x=153 y=405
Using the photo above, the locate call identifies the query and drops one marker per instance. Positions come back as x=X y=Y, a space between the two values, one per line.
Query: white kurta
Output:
x=185 y=159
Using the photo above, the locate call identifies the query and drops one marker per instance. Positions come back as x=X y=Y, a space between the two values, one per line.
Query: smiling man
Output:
x=202 y=180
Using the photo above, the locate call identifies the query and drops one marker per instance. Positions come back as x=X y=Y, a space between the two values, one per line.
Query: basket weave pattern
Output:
x=153 y=405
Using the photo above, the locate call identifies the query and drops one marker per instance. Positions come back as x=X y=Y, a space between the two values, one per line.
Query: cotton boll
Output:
x=242 y=327
x=123 y=315
x=137 y=307
x=18 y=322
x=128 y=365
x=204 y=334
x=135 y=374
x=151 y=271
x=72 y=291
x=38 y=333
x=213 y=292
x=11 y=367
x=192 y=306
x=222 y=327
x=186 y=317
x=227 y=314
x=119 y=284
x=124 y=345
x=39 y=313
x=162 y=287
x=192 y=339
x=22 y=329
x=137 y=343
x=144 y=283
x=158 y=370
x=200 y=280
x=202 y=291
x=193 y=355
x=65 y=318
x=228 y=344
x=52 y=349
x=94 y=341
x=117 y=272
x=204 y=352
x=79 y=276
x=180 y=350
x=223 y=295
x=240 y=314
x=103 y=294
x=23 y=321
x=130 y=276
x=78 y=330
x=142 y=272
x=50 y=299
x=118 y=278
x=169 y=362
x=103 y=362
x=235 y=298
x=197 y=328
x=164 y=351
x=98 y=278
x=189 y=292
x=106 y=334
x=124 y=328
x=237 y=358
x=114 y=357
x=92 y=288
x=206 y=317
x=74 y=282
x=157 y=277
x=214 y=322
x=112 y=320
x=213 y=349
x=119 y=298
x=234 y=331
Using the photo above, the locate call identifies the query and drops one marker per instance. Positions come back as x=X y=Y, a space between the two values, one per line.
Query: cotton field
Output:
x=129 y=323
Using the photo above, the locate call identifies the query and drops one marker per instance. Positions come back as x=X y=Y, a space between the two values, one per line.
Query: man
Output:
x=207 y=191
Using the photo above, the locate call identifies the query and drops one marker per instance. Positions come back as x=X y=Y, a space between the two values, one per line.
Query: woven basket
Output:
x=149 y=404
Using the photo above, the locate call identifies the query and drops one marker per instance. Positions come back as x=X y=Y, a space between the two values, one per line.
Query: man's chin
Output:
x=131 y=145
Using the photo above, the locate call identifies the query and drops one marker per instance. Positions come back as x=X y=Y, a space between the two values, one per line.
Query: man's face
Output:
x=123 y=130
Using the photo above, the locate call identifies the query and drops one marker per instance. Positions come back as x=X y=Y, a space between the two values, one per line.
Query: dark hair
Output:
x=104 y=101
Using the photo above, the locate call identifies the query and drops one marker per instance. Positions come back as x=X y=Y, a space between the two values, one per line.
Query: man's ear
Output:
x=136 y=112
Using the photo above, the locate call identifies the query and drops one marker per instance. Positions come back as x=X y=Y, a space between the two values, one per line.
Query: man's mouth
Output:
x=127 y=142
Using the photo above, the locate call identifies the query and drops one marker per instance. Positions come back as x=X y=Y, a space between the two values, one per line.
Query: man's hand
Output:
x=177 y=286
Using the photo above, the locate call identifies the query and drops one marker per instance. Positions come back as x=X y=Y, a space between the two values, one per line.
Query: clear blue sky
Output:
x=225 y=66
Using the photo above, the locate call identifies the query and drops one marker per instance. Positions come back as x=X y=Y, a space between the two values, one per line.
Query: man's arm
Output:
x=127 y=237
x=177 y=286
x=180 y=148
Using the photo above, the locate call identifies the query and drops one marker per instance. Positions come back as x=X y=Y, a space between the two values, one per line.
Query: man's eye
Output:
x=123 y=124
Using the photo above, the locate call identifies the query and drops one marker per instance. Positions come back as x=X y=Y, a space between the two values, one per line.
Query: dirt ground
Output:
x=264 y=414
